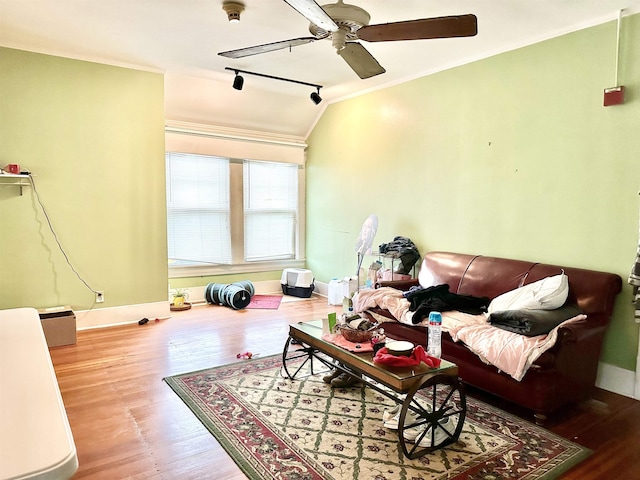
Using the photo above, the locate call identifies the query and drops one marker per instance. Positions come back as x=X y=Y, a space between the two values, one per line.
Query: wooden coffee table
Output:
x=433 y=403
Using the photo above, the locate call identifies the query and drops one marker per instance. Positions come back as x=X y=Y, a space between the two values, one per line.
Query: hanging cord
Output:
x=55 y=236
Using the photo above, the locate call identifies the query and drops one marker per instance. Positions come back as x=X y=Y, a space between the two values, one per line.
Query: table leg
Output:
x=305 y=352
x=432 y=415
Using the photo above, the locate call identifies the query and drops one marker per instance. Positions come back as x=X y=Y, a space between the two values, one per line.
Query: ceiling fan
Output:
x=345 y=24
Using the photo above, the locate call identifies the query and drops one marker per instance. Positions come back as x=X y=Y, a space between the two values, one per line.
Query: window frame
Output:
x=206 y=141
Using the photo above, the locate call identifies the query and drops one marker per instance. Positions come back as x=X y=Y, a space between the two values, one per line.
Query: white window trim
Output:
x=253 y=267
x=207 y=140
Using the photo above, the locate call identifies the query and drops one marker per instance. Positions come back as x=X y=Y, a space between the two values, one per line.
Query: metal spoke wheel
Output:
x=295 y=350
x=432 y=415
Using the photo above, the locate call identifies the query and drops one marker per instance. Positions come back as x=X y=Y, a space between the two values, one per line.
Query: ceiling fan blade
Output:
x=267 y=47
x=425 y=28
x=360 y=60
x=314 y=13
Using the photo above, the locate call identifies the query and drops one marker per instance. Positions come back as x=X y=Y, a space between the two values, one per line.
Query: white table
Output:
x=35 y=437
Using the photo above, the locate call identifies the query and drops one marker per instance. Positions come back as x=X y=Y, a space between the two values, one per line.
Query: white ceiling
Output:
x=181 y=38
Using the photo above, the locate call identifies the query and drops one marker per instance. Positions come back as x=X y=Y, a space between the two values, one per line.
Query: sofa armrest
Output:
x=577 y=350
x=402 y=285
x=583 y=330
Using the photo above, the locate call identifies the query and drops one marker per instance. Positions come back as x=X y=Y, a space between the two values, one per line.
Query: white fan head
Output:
x=367 y=234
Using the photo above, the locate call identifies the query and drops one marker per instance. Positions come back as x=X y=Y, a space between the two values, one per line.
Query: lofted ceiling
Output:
x=182 y=39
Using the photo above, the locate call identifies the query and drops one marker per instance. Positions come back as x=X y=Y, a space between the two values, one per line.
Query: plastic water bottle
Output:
x=434 y=345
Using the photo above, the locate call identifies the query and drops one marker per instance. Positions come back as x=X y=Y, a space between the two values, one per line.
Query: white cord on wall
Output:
x=615 y=83
x=55 y=236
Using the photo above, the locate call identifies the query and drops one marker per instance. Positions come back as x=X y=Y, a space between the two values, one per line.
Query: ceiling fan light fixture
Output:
x=238 y=82
x=233 y=10
x=315 y=97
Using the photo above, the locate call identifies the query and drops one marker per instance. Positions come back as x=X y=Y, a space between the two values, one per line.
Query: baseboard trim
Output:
x=196 y=294
x=111 y=316
x=617 y=380
x=126 y=314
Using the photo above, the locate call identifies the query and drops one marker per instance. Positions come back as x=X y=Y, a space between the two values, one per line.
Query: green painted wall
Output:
x=93 y=137
x=511 y=156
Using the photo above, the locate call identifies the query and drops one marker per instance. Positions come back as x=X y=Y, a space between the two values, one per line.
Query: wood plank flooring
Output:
x=128 y=424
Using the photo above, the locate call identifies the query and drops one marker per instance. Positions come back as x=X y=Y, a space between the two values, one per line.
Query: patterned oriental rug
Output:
x=274 y=428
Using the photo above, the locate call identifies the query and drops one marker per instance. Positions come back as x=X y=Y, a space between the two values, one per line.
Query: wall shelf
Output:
x=13 y=180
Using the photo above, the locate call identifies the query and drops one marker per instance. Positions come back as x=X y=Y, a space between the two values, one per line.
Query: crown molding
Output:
x=178 y=126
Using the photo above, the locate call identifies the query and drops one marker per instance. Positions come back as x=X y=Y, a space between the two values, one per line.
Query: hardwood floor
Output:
x=127 y=423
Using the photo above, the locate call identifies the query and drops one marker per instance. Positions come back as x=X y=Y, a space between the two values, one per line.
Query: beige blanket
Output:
x=510 y=352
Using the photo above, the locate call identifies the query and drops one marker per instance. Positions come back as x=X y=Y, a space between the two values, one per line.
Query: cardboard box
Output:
x=59 y=325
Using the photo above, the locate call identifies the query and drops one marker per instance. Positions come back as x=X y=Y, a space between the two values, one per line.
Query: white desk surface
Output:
x=35 y=437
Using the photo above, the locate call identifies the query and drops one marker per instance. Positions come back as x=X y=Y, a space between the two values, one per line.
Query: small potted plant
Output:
x=180 y=297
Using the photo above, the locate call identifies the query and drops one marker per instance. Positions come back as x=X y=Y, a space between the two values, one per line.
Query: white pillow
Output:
x=546 y=294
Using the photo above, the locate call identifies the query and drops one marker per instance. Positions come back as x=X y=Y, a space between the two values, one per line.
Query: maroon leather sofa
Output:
x=562 y=375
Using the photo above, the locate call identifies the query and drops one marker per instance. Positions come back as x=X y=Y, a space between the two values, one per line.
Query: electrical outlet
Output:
x=99 y=297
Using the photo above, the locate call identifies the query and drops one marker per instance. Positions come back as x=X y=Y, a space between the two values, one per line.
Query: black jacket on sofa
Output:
x=439 y=299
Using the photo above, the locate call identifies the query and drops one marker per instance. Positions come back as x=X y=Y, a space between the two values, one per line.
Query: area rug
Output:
x=265 y=302
x=275 y=428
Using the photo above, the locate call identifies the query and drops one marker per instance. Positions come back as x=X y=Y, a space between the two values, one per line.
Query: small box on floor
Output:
x=59 y=325
x=297 y=282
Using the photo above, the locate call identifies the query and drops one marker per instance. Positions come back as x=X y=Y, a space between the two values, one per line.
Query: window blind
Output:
x=270 y=210
x=198 y=209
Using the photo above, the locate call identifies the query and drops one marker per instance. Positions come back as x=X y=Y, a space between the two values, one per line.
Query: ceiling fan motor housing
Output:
x=349 y=18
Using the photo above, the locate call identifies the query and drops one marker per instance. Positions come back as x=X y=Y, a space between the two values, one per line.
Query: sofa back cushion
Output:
x=480 y=276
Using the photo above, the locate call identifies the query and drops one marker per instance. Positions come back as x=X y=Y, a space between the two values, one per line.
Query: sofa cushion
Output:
x=546 y=294
x=533 y=322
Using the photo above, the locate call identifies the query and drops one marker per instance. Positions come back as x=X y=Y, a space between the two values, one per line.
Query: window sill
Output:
x=214 y=270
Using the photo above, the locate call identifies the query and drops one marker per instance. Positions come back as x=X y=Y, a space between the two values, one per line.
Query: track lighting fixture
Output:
x=233 y=10
x=238 y=82
x=315 y=97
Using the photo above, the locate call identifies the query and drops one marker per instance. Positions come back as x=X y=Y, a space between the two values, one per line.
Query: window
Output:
x=270 y=210
x=198 y=209
x=226 y=215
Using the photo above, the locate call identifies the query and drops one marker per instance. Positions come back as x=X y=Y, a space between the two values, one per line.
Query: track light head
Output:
x=233 y=10
x=315 y=97
x=238 y=82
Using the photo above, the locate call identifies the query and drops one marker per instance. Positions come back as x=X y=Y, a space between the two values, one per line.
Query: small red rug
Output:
x=265 y=302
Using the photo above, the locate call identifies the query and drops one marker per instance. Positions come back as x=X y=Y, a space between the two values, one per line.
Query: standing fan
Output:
x=344 y=24
x=365 y=240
